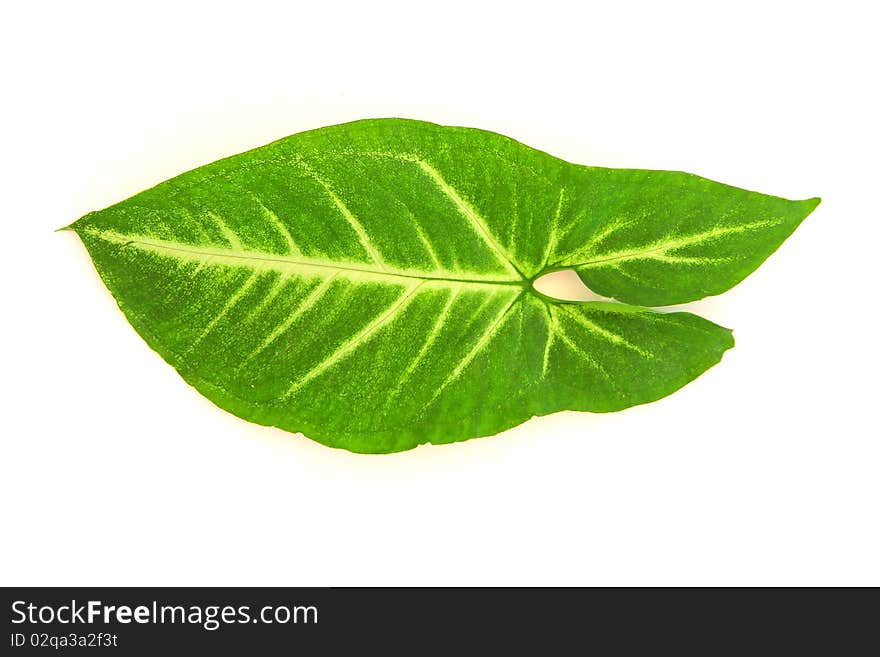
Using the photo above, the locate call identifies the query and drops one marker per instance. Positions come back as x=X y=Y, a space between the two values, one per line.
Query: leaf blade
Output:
x=666 y=237
x=380 y=296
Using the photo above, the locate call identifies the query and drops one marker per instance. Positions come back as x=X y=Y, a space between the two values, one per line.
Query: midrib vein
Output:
x=211 y=254
x=658 y=249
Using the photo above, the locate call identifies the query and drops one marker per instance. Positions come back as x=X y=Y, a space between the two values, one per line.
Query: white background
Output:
x=763 y=471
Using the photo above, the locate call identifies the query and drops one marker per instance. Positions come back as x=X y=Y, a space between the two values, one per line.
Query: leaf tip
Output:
x=812 y=203
x=76 y=225
x=731 y=340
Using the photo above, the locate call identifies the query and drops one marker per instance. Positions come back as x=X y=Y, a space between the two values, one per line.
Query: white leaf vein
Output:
x=355 y=341
x=306 y=304
x=280 y=226
x=484 y=339
x=610 y=336
x=660 y=250
x=353 y=221
x=275 y=262
x=426 y=345
x=229 y=305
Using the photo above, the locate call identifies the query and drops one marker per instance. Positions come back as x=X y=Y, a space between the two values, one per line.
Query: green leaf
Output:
x=370 y=284
x=658 y=238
